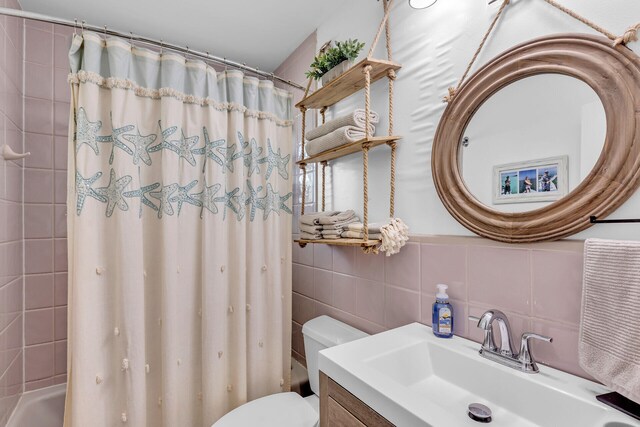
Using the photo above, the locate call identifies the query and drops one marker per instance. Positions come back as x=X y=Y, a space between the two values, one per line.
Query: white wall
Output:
x=434 y=46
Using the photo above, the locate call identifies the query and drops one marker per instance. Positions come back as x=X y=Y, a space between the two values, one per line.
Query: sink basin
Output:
x=413 y=378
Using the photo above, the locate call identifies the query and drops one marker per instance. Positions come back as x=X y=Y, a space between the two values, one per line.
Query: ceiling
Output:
x=260 y=33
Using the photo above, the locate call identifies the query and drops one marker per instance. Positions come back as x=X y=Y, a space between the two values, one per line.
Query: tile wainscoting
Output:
x=538 y=286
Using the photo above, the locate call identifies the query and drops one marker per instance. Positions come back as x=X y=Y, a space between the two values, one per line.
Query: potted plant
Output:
x=334 y=61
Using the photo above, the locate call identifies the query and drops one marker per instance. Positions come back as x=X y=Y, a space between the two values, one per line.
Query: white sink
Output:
x=413 y=378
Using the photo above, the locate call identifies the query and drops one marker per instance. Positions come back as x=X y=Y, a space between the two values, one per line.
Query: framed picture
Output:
x=539 y=180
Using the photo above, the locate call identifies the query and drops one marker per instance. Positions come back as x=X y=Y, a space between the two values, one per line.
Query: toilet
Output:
x=290 y=409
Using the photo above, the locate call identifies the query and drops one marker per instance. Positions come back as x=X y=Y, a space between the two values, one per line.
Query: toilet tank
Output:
x=320 y=333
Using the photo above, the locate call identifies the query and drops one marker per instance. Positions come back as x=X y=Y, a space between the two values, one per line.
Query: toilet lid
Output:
x=276 y=410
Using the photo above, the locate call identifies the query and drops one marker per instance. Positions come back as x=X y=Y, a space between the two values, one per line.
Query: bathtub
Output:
x=40 y=408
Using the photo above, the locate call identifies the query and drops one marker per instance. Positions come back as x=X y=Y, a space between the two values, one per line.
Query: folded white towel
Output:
x=331 y=233
x=312 y=218
x=609 y=335
x=342 y=225
x=338 y=218
x=360 y=235
x=309 y=236
x=312 y=229
x=337 y=138
x=372 y=227
x=357 y=119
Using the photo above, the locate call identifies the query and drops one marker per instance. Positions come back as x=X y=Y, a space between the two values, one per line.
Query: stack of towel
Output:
x=355 y=230
x=340 y=131
x=326 y=225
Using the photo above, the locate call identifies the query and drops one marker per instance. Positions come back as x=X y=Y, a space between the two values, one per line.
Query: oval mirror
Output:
x=531 y=110
x=532 y=142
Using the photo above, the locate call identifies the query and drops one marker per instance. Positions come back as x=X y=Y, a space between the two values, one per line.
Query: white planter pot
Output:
x=336 y=71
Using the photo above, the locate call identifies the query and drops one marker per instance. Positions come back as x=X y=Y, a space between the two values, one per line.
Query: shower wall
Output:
x=46 y=112
x=11 y=215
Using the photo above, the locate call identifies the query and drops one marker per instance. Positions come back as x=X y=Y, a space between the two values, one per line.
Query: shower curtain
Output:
x=179 y=215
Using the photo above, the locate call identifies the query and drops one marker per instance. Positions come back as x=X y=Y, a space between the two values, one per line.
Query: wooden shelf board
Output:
x=348 y=83
x=340 y=242
x=347 y=149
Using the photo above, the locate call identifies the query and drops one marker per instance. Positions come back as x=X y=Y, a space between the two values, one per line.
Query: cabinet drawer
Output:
x=338 y=407
x=340 y=417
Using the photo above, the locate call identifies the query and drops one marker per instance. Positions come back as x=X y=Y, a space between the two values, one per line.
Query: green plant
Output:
x=333 y=56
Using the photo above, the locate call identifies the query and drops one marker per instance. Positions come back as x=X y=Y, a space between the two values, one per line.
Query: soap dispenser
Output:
x=442 y=314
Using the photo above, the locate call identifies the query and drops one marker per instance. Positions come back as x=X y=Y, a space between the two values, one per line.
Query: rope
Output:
x=382 y=25
x=322 y=113
x=387 y=28
x=629 y=36
x=367 y=97
x=391 y=74
x=452 y=91
x=365 y=177
x=306 y=91
x=324 y=166
x=582 y=19
x=303 y=166
x=392 y=195
x=365 y=147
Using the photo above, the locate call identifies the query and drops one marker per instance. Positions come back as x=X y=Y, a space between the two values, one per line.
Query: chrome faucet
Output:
x=523 y=360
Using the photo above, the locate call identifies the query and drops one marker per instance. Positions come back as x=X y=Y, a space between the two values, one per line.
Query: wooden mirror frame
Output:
x=613 y=73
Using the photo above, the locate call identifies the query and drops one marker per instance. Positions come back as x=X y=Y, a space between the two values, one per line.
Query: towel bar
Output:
x=594 y=220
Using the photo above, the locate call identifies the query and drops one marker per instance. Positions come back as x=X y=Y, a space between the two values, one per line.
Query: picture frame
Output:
x=539 y=180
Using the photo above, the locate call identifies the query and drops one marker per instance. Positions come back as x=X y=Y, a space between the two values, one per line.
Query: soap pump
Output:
x=442 y=321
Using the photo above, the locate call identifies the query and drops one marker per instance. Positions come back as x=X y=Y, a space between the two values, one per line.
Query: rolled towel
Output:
x=312 y=218
x=360 y=235
x=372 y=227
x=337 y=138
x=311 y=229
x=357 y=119
x=309 y=236
x=394 y=236
x=335 y=219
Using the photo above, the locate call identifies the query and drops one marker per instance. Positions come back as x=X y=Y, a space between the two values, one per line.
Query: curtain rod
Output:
x=132 y=37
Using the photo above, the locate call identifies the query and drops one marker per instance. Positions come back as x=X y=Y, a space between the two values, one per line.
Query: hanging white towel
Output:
x=609 y=343
x=357 y=119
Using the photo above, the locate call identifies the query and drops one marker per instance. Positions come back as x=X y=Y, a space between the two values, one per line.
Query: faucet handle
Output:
x=525 y=356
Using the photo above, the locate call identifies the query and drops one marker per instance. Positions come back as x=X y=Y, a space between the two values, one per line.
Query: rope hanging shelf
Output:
x=358 y=77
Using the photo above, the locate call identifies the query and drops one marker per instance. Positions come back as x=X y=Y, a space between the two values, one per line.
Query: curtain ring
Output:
x=186 y=56
x=161 y=47
x=82 y=26
x=226 y=64
x=273 y=78
x=75 y=26
x=105 y=34
x=131 y=39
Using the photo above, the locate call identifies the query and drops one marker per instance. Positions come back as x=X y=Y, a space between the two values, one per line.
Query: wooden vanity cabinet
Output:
x=339 y=408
